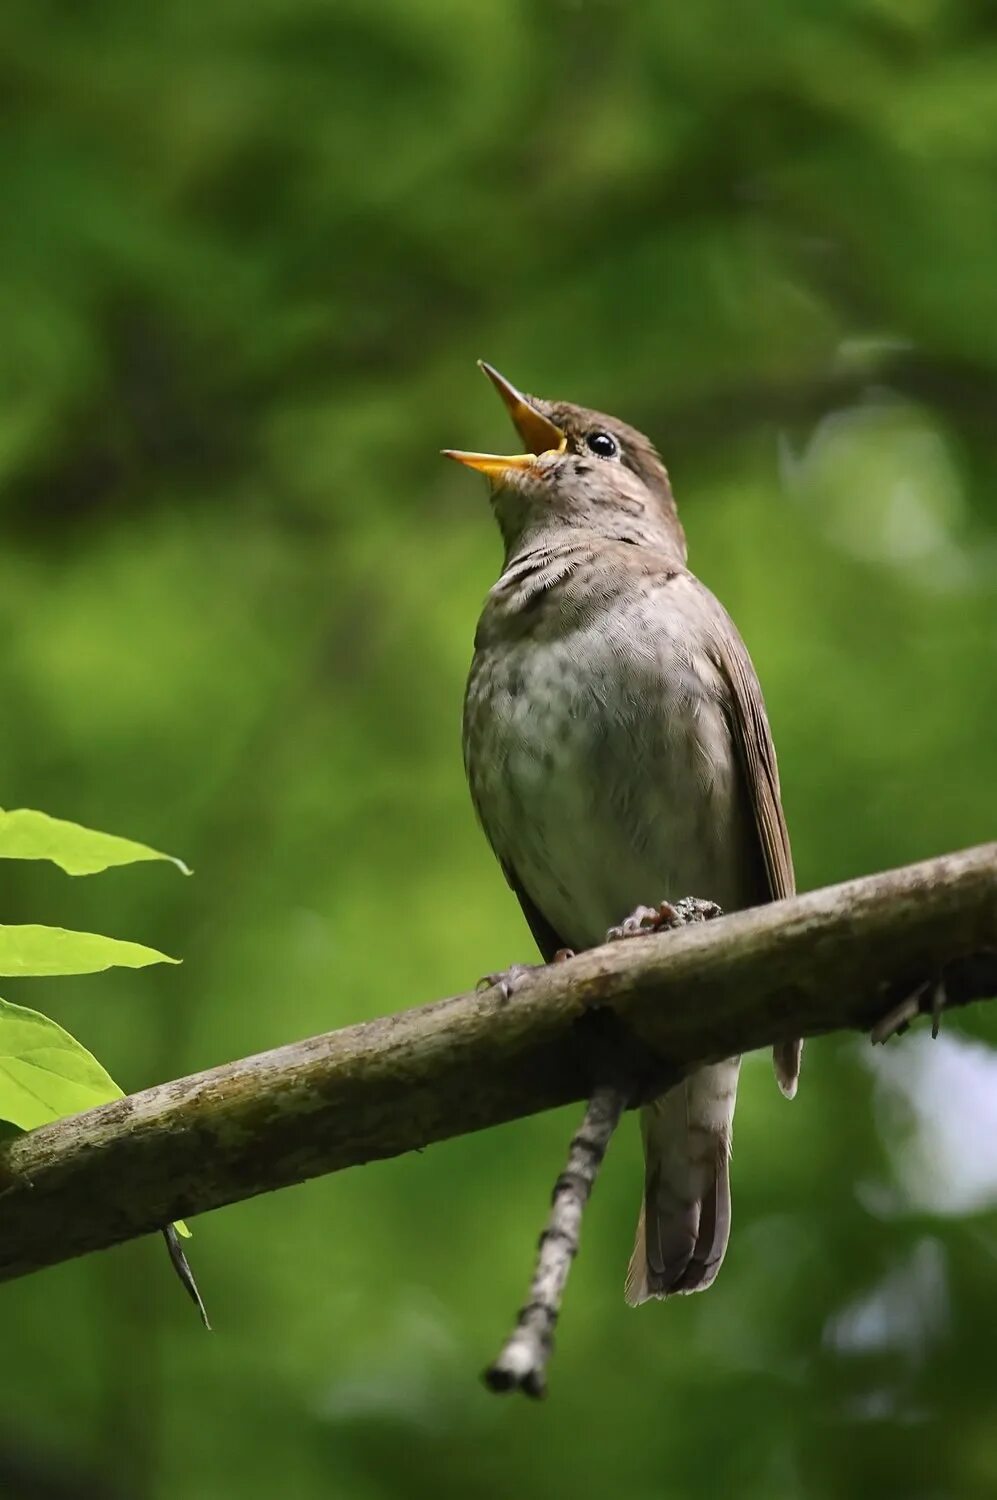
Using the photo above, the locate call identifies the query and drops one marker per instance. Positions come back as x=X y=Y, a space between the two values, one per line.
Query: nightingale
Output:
x=618 y=753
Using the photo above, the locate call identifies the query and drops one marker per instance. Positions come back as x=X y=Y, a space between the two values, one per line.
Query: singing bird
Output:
x=618 y=753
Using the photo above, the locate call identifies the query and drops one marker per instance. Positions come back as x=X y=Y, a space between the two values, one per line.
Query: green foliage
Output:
x=26 y=834
x=52 y=950
x=44 y=1072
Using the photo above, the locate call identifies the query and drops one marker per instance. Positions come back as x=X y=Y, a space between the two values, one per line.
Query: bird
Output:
x=618 y=753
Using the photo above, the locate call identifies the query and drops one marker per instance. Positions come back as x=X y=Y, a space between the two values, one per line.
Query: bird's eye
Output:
x=602 y=444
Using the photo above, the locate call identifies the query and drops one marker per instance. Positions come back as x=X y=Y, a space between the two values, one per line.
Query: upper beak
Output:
x=538 y=433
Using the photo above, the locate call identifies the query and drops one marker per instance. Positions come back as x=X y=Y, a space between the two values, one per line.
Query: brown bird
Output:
x=618 y=753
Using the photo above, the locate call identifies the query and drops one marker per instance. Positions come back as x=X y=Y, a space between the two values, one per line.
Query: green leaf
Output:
x=25 y=834
x=44 y=1072
x=56 y=950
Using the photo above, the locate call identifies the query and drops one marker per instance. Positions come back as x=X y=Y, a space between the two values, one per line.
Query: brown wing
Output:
x=544 y=935
x=756 y=752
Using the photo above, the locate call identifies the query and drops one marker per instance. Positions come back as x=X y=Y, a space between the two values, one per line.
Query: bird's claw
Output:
x=641 y=920
x=664 y=917
x=508 y=981
x=898 y=1018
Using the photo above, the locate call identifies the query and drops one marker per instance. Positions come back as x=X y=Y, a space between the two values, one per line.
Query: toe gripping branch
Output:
x=522 y=1362
x=965 y=980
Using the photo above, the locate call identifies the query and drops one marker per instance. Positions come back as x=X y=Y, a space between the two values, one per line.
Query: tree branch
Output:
x=658 y=1006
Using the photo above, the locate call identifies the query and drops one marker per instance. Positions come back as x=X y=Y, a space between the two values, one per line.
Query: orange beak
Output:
x=538 y=433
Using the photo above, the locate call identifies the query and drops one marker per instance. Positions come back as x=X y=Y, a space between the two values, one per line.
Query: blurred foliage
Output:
x=249 y=254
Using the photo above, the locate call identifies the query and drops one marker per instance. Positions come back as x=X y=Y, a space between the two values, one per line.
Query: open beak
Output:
x=538 y=433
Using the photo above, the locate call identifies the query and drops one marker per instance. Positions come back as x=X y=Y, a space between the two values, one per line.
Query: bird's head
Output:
x=581 y=469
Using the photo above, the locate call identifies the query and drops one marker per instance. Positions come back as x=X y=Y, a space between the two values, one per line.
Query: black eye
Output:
x=602 y=444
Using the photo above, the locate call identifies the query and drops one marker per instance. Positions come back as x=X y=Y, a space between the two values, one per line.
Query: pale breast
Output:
x=602 y=766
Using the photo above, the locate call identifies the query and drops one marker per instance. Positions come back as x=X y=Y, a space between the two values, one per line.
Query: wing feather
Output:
x=544 y=935
x=756 y=752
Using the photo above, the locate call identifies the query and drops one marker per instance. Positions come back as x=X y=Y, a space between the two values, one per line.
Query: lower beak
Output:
x=492 y=464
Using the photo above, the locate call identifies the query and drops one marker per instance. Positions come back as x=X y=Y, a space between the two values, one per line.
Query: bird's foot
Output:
x=928 y=999
x=509 y=980
x=663 y=917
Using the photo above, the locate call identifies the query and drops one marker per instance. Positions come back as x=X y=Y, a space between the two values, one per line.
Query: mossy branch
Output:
x=654 y=1007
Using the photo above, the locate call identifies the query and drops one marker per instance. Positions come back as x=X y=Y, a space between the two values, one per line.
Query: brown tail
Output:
x=684 y=1219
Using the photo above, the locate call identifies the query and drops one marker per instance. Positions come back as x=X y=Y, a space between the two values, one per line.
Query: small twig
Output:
x=182 y=1267
x=523 y=1361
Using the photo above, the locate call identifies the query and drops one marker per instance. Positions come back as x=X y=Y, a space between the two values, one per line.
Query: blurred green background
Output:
x=248 y=256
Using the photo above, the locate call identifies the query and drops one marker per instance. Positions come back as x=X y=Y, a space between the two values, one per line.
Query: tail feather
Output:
x=684 y=1220
x=636 y=1290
